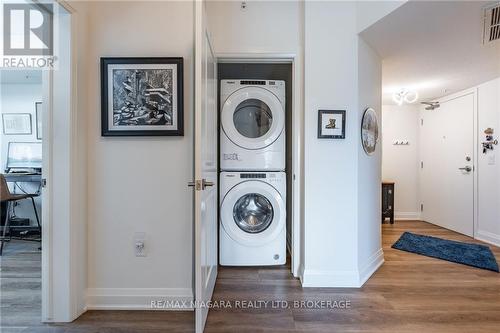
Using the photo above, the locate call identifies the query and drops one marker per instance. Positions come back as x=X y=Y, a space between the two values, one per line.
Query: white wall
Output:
x=335 y=174
x=263 y=27
x=331 y=178
x=369 y=12
x=400 y=163
x=488 y=165
x=370 y=255
x=20 y=98
x=139 y=184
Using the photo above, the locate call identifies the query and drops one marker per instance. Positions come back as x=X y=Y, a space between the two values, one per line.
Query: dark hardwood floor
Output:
x=409 y=293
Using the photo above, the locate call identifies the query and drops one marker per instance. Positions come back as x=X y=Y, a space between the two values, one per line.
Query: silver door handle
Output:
x=467 y=168
x=204 y=183
x=200 y=185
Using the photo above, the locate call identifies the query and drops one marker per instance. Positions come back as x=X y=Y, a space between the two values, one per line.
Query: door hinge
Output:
x=44 y=182
x=421 y=164
x=422 y=122
x=421 y=207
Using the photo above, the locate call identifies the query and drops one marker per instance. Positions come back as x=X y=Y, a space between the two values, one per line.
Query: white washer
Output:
x=252 y=135
x=252 y=228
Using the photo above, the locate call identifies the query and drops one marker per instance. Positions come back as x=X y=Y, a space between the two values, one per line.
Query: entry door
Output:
x=205 y=160
x=447 y=170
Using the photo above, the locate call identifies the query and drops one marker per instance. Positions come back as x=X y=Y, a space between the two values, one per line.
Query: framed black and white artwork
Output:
x=331 y=124
x=38 y=114
x=16 y=123
x=142 y=97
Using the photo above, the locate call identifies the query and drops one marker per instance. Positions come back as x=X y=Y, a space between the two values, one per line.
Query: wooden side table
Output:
x=388 y=201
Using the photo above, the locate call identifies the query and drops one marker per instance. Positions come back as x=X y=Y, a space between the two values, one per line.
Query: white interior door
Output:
x=205 y=168
x=447 y=148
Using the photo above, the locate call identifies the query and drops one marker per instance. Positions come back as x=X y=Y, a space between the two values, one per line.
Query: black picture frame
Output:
x=142 y=64
x=38 y=120
x=321 y=130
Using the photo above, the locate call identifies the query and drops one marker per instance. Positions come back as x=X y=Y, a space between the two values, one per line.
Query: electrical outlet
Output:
x=140 y=244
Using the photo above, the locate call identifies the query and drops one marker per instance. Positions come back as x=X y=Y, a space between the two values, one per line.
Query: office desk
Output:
x=23 y=177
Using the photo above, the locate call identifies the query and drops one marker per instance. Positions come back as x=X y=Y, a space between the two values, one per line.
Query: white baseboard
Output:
x=140 y=299
x=488 y=237
x=343 y=279
x=371 y=266
x=330 y=279
x=300 y=273
x=407 y=216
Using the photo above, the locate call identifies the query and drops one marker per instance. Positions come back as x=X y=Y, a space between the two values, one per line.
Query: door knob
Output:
x=204 y=183
x=200 y=185
x=467 y=168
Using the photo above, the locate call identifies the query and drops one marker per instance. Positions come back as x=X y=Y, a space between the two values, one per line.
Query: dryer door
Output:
x=252 y=117
x=253 y=213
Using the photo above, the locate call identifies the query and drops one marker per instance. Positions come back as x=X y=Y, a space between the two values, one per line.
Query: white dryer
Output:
x=252 y=135
x=252 y=228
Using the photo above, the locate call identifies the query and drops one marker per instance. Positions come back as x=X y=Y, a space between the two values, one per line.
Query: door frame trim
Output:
x=297 y=141
x=61 y=268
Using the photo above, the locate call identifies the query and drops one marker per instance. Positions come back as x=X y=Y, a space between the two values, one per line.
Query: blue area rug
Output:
x=474 y=255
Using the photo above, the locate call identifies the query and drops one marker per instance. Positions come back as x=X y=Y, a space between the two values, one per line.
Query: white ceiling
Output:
x=434 y=47
x=20 y=76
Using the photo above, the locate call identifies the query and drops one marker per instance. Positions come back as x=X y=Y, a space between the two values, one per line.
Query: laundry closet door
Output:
x=205 y=159
x=447 y=169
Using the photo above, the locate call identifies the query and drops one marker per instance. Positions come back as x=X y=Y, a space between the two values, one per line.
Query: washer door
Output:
x=253 y=213
x=252 y=118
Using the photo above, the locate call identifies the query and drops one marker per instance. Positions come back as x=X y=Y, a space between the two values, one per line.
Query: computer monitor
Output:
x=24 y=155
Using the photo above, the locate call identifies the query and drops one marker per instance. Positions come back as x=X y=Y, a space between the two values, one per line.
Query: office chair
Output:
x=8 y=198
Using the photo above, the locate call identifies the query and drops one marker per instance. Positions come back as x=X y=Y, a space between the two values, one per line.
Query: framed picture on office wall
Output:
x=331 y=124
x=16 y=123
x=142 y=97
x=38 y=114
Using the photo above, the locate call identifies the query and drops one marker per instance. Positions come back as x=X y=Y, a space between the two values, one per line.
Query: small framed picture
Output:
x=38 y=114
x=142 y=97
x=331 y=124
x=16 y=123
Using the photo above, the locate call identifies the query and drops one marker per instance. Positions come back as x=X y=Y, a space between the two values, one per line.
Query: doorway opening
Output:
x=21 y=164
x=37 y=108
x=254 y=72
x=440 y=116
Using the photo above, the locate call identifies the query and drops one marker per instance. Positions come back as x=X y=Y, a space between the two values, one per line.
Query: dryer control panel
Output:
x=268 y=177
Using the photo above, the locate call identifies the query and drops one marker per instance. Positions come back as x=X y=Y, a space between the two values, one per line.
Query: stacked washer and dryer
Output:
x=252 y=228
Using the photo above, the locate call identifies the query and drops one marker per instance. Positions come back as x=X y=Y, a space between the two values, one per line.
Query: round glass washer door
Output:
x=253 y=213
x=252 y=118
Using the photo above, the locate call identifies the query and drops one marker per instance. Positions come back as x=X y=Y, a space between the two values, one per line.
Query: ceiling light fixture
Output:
x=405 y=96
